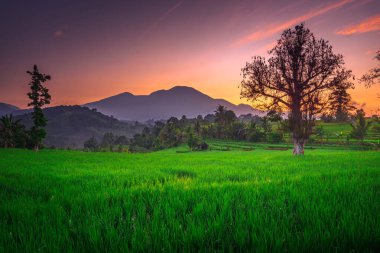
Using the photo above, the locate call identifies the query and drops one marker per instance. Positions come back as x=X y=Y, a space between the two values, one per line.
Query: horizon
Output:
x=126 y=92
x=98 y=50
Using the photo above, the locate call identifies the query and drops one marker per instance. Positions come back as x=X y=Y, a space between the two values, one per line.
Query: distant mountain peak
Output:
x=178 y=90
x=163 y=104
x=124 y=94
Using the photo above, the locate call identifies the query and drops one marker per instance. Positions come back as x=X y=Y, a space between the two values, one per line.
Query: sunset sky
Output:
x=95 y=49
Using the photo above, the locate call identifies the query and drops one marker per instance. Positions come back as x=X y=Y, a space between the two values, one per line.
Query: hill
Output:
x=70 y=126
x=7 y=109
x=163 y=104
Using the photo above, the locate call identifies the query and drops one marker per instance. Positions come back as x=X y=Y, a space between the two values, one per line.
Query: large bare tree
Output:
x=298 y=78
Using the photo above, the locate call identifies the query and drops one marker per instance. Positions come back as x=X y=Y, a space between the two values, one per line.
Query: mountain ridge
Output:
x=162 y=104
x=71 y=125
x=7 y=108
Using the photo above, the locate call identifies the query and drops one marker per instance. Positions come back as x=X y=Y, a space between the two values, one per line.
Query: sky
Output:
x=95 y=49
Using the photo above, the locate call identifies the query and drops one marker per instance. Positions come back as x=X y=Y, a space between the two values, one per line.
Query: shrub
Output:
x=201 y=146
x=276 y=137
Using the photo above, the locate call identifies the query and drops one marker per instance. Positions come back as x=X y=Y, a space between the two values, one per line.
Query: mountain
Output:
x=70 y=126
x=7 y=109
x=163 y=104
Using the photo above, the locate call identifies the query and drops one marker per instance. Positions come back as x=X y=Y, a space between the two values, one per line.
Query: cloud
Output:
x=162 y=18
x=168 y=12
x=275 y=28
x=368 y=25
x=58 y=33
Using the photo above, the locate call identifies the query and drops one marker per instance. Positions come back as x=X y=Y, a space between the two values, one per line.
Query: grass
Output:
x=336 y=132
x=339 y=131
x=227 y=145
x=238 y=201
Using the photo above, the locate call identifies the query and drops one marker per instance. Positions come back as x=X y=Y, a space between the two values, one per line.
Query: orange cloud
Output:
x=269 y=31
x=368 y=25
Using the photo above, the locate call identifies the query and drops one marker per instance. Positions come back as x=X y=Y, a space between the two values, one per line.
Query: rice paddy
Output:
x=253 y=200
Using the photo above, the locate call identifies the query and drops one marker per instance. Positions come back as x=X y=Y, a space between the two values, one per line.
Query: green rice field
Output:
x=249 y=199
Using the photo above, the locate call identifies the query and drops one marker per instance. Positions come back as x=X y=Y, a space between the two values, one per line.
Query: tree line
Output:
x=223 y=124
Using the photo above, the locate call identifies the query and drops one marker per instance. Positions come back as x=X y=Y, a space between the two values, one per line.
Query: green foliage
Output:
x=360 y=126
x=12 y=133
x=91 y=144
x=71 y=126
x=39 y=96
x=225 y=125
x=376 y=126
x=171 y=134
x=254 y=133
x=271 y=128
x=236 y=201
x=107 y=142
x=224 y=120
x=338 y=132
x=320 y=132
x=192 y=140
x=341 y=104
x=275 y=137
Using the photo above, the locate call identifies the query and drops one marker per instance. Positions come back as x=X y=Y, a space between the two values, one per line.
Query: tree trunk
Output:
x=298 y=147
x=36 y=147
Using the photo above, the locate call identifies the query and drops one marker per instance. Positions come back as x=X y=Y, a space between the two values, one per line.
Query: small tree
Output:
x=40 y=96
x=224 y=119
x=108 y=141
x=254 y=133
x=198 y=126
x=91 y=144
x=340 y=102
x=9 y=129
x=121 y=140
x=298 y=77
x=220 y=119
x=170 y=135
x=359 y=126
x=266 y=126
x=192 y=140
x=320 y=132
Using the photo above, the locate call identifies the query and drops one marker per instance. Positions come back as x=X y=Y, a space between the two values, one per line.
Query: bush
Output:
x=192 y=141
x=276 y=137
x=201 y=146
x=91 y=144
x=255 y=136
x=137 y=149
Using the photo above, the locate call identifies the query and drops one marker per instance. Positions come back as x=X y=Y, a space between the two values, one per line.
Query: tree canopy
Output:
x=300 y=74
x=39 y=96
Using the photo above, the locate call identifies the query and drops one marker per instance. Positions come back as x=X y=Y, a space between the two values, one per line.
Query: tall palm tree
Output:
x=220 y=119
x=9 y=128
